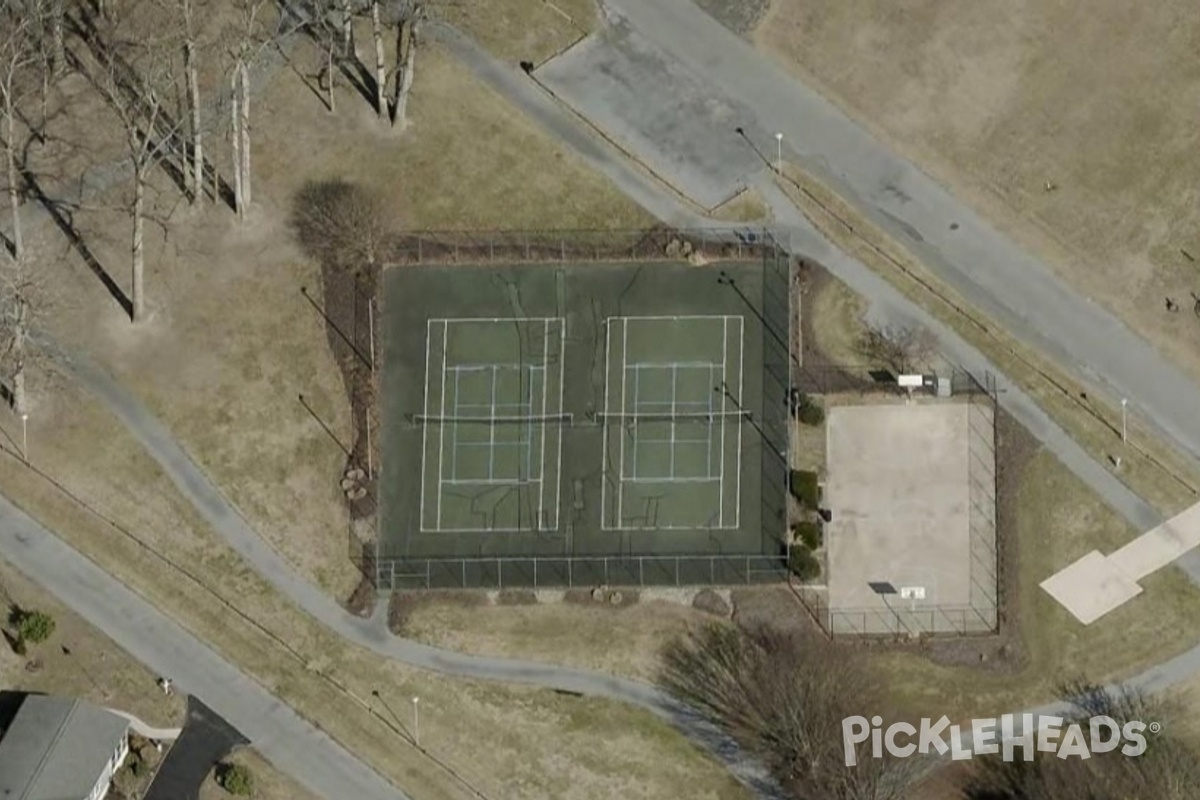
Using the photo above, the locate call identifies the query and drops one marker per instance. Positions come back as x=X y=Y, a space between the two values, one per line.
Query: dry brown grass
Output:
x=79 y=661
x=745 y=206
x=997 y=99
x=1058 y=519
x=837 y=323
x=624 y=641
x=524 y=30
x=507 y=740
x=269 y=783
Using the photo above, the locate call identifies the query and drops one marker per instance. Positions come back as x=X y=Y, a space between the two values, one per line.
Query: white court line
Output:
x=677 y=317
x=491 y=319
x=671 y=456
x=604 y=465
x=490 y=482
x=562 y=358
x=737 y=517
x=454 y=439
x=425 y=428
x=542 y=463
x=442 y=427
x=491 y=428
x=621 y=472
x=724 y=400
x=671 y=480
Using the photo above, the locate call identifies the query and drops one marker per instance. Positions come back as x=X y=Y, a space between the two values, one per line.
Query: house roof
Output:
x=56 y=748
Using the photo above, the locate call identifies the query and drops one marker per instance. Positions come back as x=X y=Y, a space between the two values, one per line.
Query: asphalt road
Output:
x=282 y=736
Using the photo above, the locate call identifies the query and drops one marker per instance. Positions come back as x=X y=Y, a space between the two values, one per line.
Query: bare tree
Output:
x=381 y=106
x=902 y=349
x=406 y=51
x=257 y=29
x=191 y=66
x=18 y=54
x=26 y=297
x=784 y=694
x=341 y=224
x=149 y=133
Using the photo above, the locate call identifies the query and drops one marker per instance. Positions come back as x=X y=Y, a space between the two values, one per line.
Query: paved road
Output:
x=291 y=743
x=994 y=274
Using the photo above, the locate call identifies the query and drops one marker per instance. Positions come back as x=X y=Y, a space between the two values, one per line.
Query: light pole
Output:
x=1124 y=428
x=25 y=437
x=416 y=721
x=779 y=153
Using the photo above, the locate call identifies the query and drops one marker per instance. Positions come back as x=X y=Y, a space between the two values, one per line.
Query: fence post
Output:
x=419 y=258
x=527 y=247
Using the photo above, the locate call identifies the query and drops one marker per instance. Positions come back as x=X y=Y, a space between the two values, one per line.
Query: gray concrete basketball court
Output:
x=908 y=509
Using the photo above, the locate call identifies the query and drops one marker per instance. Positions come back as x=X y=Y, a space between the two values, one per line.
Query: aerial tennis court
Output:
x=576 y=425
x=490 y=460
x=672 y=426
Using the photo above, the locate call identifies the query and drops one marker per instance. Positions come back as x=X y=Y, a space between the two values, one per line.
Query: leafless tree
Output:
x=18 y=56
x=784 y=694
x=900 y=348
x=257 y=29
x=406 y=51
x=189 y=11
x=26 y=297
x=149 y=133
x=341 y=224
x=381 y=106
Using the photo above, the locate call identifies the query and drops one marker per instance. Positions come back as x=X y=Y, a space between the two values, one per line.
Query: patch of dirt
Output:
x=361 y=602
x=740 y=16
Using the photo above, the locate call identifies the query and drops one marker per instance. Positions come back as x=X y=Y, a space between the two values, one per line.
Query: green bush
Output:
x=809 y=533
x=810 y=414
x=805 y=488
x=34 y=627
x=237 y=780
x=803 y=564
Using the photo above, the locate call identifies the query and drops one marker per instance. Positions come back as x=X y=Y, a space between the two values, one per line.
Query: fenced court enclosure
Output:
x=548 y=424
x=911 y=539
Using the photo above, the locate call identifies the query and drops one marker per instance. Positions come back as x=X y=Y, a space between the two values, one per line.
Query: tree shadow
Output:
x=62 y=218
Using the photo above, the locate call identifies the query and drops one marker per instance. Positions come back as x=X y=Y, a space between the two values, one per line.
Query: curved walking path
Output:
x=142 y=729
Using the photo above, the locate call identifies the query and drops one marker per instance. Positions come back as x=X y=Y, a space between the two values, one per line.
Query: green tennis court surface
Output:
x=551 y=425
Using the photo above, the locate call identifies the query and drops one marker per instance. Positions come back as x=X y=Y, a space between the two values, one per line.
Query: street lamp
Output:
x=779 y=153
x=1124 y=427
x=416 y=721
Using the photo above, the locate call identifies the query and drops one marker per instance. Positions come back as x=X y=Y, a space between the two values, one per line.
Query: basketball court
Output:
x=911 y=540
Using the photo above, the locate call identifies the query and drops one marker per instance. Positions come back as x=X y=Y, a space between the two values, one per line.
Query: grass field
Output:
x=624 y=641
x=79 y=661
x=996 y=100
x=837 y=323
x=1057 y=520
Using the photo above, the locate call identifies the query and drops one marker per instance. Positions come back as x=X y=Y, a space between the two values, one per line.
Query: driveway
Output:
x=205 y=741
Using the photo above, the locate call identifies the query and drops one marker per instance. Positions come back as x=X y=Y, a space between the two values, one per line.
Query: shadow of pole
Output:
x=324 y=427
x=333 y=326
